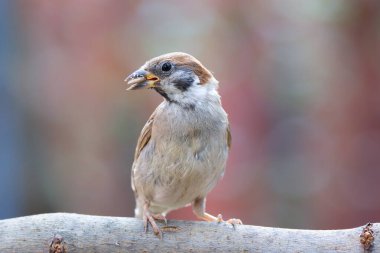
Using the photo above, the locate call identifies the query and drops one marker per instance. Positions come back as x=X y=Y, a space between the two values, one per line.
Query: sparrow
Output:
x=182 y=150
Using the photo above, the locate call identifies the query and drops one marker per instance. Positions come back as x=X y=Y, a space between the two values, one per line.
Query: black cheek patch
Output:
x=184 y=83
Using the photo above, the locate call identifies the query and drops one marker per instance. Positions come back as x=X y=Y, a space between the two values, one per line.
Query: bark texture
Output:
x=64 y=232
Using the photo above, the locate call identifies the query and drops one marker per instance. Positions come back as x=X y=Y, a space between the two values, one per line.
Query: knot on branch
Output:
x=57 y=245
x=367 y=237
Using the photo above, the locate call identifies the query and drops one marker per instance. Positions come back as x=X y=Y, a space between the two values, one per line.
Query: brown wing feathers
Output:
x=145 y=135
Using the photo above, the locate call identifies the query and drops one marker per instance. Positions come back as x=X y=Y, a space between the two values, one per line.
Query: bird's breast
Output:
x=186 y=157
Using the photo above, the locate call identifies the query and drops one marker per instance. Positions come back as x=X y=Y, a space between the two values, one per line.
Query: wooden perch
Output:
x=63 y=232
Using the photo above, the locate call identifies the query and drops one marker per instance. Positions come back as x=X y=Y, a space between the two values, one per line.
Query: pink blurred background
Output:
x=299 y=79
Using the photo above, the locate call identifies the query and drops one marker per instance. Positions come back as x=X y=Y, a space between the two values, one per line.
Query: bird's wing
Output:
x=143 y=140
x=229 y=137
x=145 y=135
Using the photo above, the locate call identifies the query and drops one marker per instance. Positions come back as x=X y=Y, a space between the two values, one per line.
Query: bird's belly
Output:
x=179 y=172
x=188 y=178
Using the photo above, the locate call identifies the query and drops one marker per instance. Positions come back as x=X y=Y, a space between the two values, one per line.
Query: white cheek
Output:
x=196 y=90
x=203 y=90
x=198 y=94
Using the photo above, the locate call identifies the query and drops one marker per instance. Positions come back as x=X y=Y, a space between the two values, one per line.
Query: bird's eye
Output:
x=166 y=67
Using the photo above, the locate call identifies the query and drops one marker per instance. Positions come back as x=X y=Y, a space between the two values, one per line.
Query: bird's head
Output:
x=178 y=77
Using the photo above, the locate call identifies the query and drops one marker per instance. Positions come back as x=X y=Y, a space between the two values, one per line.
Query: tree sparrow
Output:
x=182 y=150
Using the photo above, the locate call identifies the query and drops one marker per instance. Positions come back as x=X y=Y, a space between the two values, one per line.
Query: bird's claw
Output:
x=157 y=232
x=232 y=221
x=151 y=219
x=161 y=218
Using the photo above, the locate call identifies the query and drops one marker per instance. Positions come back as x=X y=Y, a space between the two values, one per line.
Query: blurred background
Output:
x=299 y=79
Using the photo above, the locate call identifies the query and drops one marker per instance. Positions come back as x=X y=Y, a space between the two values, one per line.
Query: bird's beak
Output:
x=141 y=79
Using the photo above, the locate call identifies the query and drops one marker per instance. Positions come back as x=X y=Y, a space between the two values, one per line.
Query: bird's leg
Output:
x=147 y=217
x=145 y=220
x=199 y=209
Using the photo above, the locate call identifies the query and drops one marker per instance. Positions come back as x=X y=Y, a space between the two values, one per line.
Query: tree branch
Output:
x=63 y=232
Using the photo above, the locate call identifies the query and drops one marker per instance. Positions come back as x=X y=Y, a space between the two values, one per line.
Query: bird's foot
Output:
x=149 y=218
x=232 y=221
x=161 y=218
